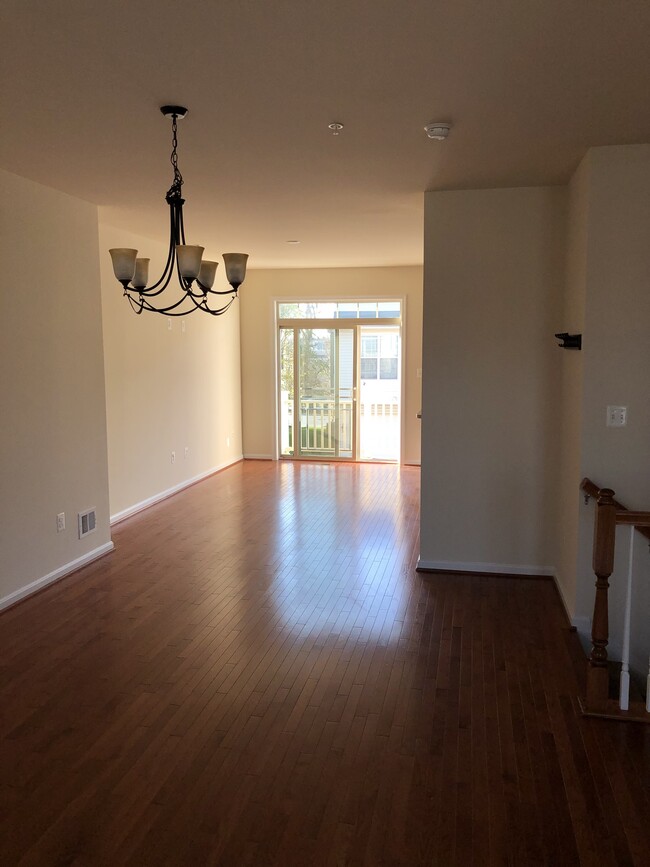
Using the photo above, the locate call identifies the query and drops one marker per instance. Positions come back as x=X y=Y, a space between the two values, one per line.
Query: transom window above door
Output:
x=339 y=309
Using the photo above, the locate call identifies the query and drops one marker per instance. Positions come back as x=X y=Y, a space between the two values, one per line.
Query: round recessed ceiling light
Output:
x=437 y=131
x=293 y=241
x=336 y=127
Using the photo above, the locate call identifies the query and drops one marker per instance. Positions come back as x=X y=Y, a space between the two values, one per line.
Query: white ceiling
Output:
x=528 y=86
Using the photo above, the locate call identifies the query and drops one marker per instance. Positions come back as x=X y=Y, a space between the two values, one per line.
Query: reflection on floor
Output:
x=258 y=676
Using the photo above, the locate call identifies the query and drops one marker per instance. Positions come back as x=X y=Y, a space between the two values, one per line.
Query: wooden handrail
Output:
x=641 y=520
x=609 y=512
x=590 y=489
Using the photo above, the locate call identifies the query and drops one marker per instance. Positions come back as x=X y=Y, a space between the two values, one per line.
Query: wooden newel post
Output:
x=603 y=563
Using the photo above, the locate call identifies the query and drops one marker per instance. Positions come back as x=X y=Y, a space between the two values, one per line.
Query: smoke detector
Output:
x=437 y=131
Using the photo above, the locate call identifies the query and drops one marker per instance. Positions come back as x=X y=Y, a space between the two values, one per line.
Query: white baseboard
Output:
x=61 y=572
x=163 y=495
x=560 y=593
x=491 y=568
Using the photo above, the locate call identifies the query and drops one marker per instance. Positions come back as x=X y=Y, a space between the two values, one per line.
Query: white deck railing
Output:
x=324 y=425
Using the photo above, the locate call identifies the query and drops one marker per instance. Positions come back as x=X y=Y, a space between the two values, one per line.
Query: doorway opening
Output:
x=339 y=382
x=379 y=394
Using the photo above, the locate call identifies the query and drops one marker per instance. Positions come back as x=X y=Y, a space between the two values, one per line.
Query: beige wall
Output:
x=52 y=424
x=616 y=364
x=259 y=294
x=166 y=390
x=569 y=417
x=512 y=424
x=494 y=263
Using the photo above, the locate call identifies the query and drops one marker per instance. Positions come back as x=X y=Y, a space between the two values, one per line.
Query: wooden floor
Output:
x=258 y=676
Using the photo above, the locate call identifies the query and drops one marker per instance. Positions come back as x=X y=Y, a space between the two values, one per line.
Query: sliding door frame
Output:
x=345 y=324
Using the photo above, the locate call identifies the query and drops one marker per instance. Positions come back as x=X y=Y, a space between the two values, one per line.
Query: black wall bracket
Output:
x=569 y=341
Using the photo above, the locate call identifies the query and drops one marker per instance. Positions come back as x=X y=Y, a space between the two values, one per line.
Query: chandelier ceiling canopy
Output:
x=195 y=275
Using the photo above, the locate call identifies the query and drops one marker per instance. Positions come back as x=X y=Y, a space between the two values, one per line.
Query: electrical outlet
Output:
x=173 y=457
x=60 y=522
x=169 y=324
x=183 y=326
x=187 y=451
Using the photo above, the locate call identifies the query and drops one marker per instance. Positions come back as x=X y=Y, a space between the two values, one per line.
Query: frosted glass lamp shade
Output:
x=235 y=268
x=189 y=261
x=207 y=274
x=141 y=275
x=123 y=263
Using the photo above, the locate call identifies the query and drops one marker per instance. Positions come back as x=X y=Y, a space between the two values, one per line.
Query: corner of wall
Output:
x=53 y=392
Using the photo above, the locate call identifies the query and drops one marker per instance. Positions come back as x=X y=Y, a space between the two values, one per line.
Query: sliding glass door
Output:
x=380 y=390
x=340 y=379
x=317 y=377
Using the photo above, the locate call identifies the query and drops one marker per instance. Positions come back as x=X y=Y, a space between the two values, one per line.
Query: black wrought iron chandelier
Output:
x=195 y=275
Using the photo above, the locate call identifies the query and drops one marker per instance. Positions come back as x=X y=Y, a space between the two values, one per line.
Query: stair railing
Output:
x=609 y=513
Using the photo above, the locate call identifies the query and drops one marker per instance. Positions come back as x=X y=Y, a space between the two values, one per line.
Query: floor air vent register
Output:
x=87 y=523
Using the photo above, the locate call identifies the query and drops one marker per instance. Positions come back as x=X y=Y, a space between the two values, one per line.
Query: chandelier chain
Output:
x=175 y=189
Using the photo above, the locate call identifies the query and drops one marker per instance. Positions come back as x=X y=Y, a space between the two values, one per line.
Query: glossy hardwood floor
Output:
x=258 y=676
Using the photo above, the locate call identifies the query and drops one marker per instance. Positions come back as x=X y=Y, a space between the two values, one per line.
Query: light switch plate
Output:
x=616 y=416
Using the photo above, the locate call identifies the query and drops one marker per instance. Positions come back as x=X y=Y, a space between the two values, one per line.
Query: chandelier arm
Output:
x=222 y=292
x=135 y=306
x=178 y=230
x=219 y=310
x=168 y=270
x=181 y=224
x=167 y=313
x=186 y=285
x=170 y=307
x=199 y=294
x=197 y=306
x=140 y=304
x=203 y=305
x=179 y=236
x=163 y=281
x=152 y=291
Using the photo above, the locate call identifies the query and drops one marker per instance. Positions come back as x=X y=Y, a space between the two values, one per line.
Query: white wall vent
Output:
x=87 y=523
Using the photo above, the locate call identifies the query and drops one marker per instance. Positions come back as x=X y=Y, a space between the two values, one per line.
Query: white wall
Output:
x=258 y=296
x=494 y=262
x=52 y=424
x=166 y=390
